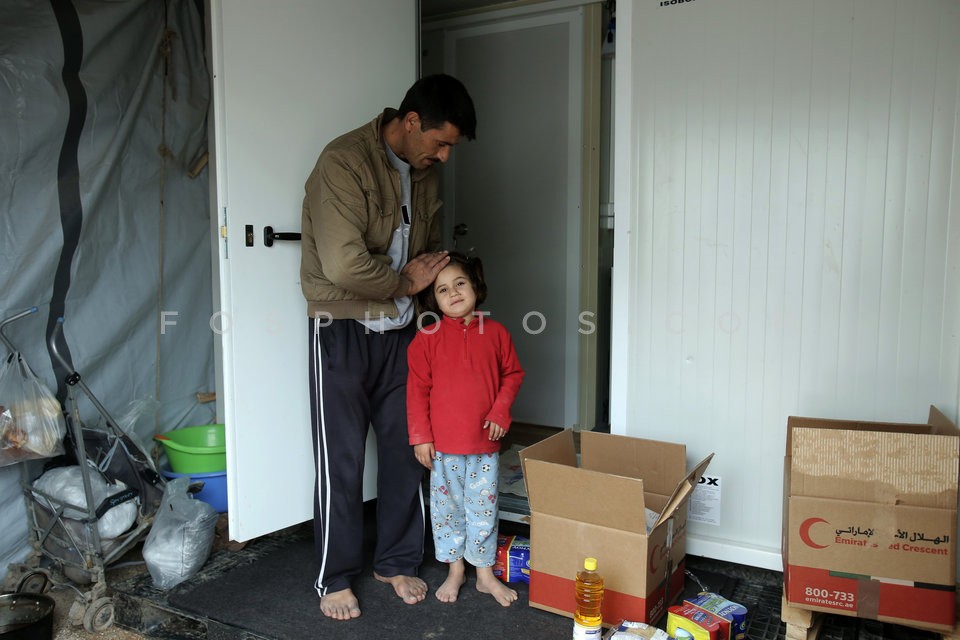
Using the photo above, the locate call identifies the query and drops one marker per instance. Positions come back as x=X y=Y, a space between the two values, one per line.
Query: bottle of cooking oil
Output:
x=587 y=618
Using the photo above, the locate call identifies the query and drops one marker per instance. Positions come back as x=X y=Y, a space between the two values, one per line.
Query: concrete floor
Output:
x=130 y=566
x=63 y=630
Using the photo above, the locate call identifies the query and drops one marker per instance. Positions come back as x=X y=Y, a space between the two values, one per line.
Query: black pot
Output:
x=26 y=616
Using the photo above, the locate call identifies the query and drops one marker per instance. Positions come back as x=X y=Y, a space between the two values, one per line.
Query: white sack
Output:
x=66 y=485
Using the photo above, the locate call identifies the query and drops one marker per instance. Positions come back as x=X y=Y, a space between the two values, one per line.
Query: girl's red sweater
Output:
x=459 y=376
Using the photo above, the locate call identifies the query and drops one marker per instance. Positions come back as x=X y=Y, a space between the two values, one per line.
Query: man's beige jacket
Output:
x=350 y=211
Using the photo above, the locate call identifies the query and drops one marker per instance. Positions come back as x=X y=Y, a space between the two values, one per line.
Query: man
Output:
x=370 y=242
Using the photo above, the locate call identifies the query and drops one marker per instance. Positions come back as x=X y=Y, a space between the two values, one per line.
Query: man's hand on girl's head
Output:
x=422 y=270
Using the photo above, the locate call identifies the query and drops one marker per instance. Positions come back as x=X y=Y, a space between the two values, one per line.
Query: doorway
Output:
x=525 y=195
x=261 y=391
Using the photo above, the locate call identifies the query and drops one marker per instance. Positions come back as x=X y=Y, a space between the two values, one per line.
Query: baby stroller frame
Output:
x=71 y=545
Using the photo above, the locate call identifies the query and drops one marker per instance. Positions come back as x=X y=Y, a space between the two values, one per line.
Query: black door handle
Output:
x=269 y=236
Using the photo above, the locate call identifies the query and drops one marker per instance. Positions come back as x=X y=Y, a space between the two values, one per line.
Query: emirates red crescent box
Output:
x=870 y=519
x=598 y=507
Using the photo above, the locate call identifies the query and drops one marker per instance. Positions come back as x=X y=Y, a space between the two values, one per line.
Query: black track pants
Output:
x=358 y=379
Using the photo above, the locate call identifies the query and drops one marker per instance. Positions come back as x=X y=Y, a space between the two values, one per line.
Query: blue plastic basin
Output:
x=214 y=490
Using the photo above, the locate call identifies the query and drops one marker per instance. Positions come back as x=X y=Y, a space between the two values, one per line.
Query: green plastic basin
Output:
x=200 y=449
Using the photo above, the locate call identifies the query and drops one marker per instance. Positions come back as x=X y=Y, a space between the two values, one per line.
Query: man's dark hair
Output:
x=441 y=98
x=472 y=268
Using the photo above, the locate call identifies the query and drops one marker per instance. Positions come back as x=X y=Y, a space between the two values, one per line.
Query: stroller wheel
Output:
x=37 y=581
x=99 y=615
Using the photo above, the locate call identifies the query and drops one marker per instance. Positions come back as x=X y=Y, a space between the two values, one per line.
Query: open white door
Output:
x=289 y=76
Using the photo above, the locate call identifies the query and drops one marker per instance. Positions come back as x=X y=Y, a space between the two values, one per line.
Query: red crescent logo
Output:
x=653 y=554
x=805 y=532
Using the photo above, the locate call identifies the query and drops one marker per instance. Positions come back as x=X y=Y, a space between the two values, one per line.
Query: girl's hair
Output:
x=472 y=268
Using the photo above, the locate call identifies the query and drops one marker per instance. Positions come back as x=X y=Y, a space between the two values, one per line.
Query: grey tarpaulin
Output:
x=104 y=209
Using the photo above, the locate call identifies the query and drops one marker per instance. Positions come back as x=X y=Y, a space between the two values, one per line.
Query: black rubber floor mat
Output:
x=264 y=591
x=273 y=597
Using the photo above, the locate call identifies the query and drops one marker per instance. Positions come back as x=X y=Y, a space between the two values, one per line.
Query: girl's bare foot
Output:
x=450 y=588
x=411 y=589
x=488 y=583
x=340 y=605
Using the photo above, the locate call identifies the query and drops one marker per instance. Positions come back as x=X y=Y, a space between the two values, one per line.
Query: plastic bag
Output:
x=65 y=485
x=138 y=421
x=181 y=537
x=31 y=418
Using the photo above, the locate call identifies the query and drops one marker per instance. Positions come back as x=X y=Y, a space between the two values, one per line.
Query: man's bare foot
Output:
x=411 y=589
x=340 y=605
x=488 y=583
x=450 y=588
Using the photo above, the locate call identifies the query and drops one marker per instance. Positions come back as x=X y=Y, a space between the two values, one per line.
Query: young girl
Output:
x=463 y=377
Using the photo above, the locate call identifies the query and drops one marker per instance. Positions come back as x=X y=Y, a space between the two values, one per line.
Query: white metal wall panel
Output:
x=787 y=231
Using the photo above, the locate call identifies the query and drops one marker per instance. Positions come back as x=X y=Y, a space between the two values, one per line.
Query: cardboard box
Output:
x=513 y=559
x=733 y=615
x=598 y=508
x=699 y=623
x=870 y=512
